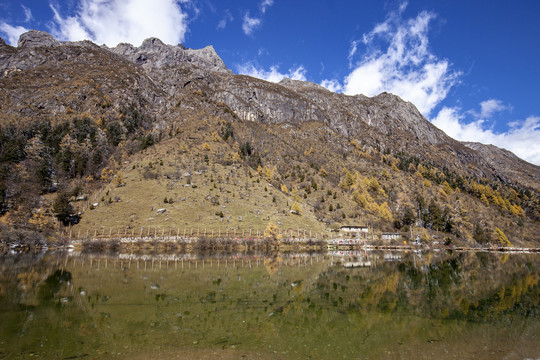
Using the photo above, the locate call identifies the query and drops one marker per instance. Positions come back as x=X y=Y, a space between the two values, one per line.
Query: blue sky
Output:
x=471 y=67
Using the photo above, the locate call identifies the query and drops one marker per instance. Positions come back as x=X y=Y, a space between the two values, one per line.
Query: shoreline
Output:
x=209 y=246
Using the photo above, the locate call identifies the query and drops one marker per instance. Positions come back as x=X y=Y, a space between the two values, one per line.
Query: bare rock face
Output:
x=498 y=158
x=295 y=101
x=35 y=38
x=153 y=53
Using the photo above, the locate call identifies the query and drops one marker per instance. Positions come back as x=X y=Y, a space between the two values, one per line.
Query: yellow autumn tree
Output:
x=236 y=157
x=272 y=232
x=447 y=188
x=484 y=199
x=119 y=179
x=106 y=174
x=502 y=237
x=347 y=180
x=384 y=212
x=517 y=210
x=442 y=194
x=295 y=208
x=40 y=219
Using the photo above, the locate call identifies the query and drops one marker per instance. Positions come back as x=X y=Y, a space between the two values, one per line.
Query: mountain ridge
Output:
x=108 y=103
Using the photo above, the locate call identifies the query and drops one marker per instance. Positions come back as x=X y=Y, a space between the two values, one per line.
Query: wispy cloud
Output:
x=397 y=59
x=249 y=24
x=12 y=32
x=227 y=18
x=332 y=85
x=27 y=14
x=521 y=138
x=265 y=5
x=490 y=107
x=273 y=75
x=114 y=21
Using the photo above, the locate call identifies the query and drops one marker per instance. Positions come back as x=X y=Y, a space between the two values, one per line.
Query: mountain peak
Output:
x=153 y=53
x=35 y=38
x=152 y=43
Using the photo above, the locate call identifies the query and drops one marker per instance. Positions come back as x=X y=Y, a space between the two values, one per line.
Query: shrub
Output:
x=147 y=141
x=63 y=210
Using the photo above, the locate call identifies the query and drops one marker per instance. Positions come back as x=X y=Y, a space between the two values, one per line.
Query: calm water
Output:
x=299 y=306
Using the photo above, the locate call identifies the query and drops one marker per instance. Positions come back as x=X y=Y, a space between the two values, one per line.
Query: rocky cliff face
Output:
x=159 y=77
x=153 y=53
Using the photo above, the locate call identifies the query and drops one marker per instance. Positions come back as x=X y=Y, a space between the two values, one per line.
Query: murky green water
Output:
x=391 y=305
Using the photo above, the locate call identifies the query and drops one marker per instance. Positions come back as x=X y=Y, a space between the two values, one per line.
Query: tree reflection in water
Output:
x=296 y=305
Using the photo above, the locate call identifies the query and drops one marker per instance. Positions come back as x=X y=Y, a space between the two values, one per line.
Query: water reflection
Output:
x=334 y=305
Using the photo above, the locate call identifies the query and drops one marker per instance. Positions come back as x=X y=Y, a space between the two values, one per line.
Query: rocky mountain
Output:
x=153 y=53
x=74 y=109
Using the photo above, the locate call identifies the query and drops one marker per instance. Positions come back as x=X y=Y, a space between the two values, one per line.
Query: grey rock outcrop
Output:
x=153 y=53
x=297 y=101
x=35 y=38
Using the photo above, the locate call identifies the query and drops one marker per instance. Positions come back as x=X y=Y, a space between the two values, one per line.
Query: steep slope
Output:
x=384 y=121
x=120 y=128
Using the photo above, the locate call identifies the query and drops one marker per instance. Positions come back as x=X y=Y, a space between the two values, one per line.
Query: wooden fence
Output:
x=147 y=232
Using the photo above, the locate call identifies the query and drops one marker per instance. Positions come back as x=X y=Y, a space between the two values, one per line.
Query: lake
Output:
x=341 y=305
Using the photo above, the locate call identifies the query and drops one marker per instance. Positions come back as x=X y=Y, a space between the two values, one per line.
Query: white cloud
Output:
x=273 y=75
x=12 y=32
x=491 y=106
x=332 y=85
x=27 y=13
x=265 y=4
x=521 y=138
x=114 y=21
x=405 y=67
x=352 y=52
x=249 y=24
x=227 y=18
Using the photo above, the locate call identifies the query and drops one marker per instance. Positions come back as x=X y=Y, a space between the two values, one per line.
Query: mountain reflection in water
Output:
x=351 y=305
